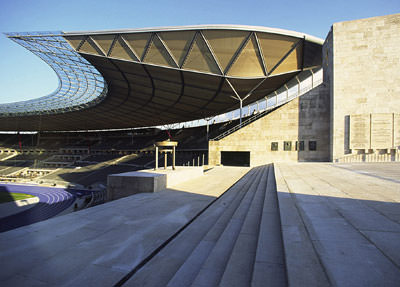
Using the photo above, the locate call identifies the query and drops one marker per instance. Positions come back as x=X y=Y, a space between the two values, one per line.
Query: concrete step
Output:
x=170 y=259
x=211 y=271
x=303 y=265
x=269 y=266
x=189 y=270
x=239 y=268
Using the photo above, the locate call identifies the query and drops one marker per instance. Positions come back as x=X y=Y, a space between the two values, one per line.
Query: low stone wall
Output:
x=392 y=156
x=129 y=183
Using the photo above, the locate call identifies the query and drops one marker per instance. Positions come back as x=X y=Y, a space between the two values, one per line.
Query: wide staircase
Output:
x=235 y=241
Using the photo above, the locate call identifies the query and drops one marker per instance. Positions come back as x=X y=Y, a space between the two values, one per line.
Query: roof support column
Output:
x=287 y=92
x=241 y=111
x=298 y=86
x=39 y=130
x=173 y=157
x=312 y=79
x=208 y=125
x=156 y=164
x=237 y=97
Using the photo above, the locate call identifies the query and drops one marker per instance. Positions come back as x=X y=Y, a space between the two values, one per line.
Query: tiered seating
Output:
x=188 y=138
x=191 y=138
x=142 y=160
x=100 y=176
x=8 y=170
x=87 y=175
x=101 y=157
x=30 y=156
x=96 y=149
x=51 y=144
x=10 y=166
x=4 y=155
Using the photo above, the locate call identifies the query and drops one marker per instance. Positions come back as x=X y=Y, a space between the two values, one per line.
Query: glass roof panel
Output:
x=78 y=79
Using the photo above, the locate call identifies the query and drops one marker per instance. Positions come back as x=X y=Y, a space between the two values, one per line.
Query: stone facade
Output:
x=356 y=111
x=361 y=66
x=305 y=119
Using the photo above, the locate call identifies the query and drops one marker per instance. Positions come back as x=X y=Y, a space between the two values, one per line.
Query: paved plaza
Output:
x=100 y=245
x=340 y=223
x=323 y=224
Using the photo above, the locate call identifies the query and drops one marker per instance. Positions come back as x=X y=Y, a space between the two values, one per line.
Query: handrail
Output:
x=239 y=126
x=267 y=110
x=315 y=79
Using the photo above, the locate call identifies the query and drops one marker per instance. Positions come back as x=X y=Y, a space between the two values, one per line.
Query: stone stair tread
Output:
x=270 y=246
x=190 y=270
x=237 y=241
x=187 y=273
x=239 y=268
x=301 y=261
x=171 y=258
x=211 y=271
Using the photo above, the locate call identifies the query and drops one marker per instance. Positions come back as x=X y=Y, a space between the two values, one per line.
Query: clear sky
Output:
x=24 y=76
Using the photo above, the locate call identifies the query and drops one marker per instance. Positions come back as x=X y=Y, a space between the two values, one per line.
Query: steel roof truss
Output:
x=94 y=43
x=129 y=47
x=236 y=55
x=211 y=52
x=260 y=53
x=286 y=55
x=167 y=49
x=112 y=46
x=146 y=49
x=189 y=49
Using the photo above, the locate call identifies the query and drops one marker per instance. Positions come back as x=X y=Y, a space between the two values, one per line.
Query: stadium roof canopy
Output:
x=147 y=77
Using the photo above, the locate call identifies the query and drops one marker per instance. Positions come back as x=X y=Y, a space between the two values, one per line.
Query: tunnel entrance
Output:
x=235 y=158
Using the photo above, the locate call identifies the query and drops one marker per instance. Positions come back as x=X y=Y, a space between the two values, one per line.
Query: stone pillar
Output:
x=173 y=157
x=156 y=165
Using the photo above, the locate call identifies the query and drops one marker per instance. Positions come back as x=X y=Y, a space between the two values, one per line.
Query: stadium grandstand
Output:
x=122 y=91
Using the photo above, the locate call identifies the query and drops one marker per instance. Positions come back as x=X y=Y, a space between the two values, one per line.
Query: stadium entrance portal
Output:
x=235 y=158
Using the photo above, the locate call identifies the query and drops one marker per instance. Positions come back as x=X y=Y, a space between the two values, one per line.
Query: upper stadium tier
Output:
x=148 y=77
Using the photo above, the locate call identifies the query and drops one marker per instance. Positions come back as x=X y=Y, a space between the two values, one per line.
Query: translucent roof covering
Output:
x=80 y=84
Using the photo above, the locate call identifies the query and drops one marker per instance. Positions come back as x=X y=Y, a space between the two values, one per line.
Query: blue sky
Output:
x=24 y=76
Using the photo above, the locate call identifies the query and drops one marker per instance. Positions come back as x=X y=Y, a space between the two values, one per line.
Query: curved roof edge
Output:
x=81 y=85
x=205 y=27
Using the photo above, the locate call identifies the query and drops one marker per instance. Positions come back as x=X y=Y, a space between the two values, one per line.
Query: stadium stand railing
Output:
x=276 y=100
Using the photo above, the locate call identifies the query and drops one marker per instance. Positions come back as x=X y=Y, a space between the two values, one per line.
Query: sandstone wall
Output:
x=362 y=67
x=303 y=119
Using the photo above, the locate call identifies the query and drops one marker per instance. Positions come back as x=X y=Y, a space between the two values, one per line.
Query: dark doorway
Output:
x=235 y=158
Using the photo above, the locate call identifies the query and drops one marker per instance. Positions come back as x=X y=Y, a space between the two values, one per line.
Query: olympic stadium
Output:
x=212 y=155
